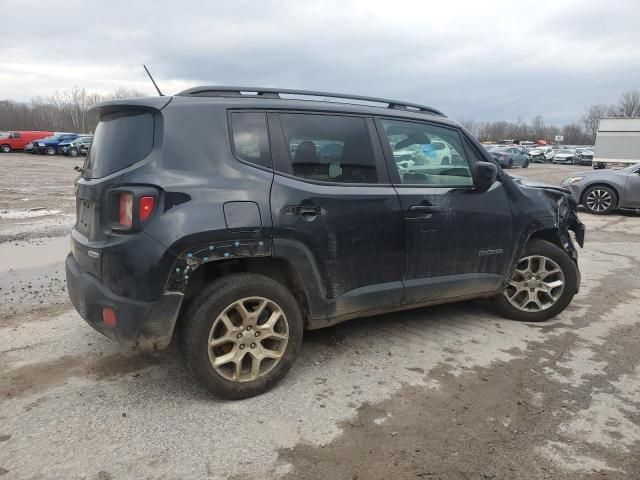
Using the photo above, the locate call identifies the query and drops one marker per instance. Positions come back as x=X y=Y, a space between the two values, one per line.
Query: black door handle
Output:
x=304 y=210
x=424 y=208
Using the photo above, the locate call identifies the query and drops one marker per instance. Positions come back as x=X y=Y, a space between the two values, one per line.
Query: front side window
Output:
x=15 y=135
x=427 y=154
x=329 y=148
x=251 y=138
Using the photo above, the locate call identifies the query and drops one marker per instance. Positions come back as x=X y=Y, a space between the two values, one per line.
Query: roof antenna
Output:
x=154 y=82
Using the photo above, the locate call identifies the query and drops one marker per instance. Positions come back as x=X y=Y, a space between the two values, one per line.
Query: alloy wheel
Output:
x=599 y=200
x=248 y=339
x=536 y=284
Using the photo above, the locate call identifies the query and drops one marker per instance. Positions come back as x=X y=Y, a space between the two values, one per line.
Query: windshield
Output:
x=565 y=151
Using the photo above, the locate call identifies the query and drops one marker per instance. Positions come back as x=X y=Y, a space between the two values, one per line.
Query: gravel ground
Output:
x=449 y=392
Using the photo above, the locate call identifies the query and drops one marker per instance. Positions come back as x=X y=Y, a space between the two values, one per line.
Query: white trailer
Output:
x=617 y=142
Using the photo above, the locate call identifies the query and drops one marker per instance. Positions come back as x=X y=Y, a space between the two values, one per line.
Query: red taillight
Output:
x=146 y=207
x=109 y=317
x=125 y=210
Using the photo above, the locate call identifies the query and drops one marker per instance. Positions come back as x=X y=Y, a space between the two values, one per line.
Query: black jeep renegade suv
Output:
x=237 y=218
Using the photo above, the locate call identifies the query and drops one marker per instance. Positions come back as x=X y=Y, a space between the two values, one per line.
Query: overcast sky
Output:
x=485 y=60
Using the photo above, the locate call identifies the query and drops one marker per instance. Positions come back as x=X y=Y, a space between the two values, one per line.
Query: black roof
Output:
x=275 y=93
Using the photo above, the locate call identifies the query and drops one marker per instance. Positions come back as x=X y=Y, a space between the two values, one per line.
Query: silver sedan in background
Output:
x=602 y=191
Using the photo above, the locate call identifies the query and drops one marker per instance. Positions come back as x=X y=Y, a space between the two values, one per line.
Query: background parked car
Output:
x=585 y=156
x=509 y=156
x=566 y=155
x=79 y=146
x=602 y=191
x=50 y=144
x=536 y=154
x=548 y=153
x=17 y=140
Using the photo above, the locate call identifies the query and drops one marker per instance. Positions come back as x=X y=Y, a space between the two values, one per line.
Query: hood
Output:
x=589 y=173
x=525 y=182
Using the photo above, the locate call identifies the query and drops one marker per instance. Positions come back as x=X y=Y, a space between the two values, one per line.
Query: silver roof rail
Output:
x=226 y=91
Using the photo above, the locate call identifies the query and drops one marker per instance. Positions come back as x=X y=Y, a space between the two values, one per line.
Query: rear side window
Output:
x=329 y=148
x=121 y=139
x=250 y=137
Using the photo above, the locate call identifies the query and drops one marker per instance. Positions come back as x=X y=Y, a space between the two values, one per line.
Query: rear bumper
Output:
x=140 y=325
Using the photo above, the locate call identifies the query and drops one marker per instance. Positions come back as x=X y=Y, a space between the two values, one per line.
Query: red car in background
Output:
x=17 y=139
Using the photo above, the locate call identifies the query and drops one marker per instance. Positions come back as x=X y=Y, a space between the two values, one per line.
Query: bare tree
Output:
x=64 y=111
x=573 y=134
x=591 y=119
x=629 y=104
x=537 y=126
x=470 y=125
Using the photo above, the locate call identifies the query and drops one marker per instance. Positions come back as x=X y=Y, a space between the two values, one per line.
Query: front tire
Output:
x=542 y=285
x=5 y=148
x=526 y=164
x=72 y=152
x=50 y=151
x=600 y=199
x=241 y=335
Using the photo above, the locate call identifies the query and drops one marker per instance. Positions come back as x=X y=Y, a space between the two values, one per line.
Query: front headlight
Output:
x=41 y=144
x=570 y=180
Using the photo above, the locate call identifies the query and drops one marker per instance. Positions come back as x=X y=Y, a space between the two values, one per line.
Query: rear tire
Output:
x=510 y=164
x=599 y=199
x=5 y=148
x=541 y=290
x=227 y=341
x=526 y=164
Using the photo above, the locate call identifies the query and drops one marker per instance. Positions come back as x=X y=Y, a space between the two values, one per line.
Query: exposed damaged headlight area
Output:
x=567 y=220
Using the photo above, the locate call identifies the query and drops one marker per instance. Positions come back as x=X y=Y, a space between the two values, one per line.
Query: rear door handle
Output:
x=424 y=208
x=304 y=210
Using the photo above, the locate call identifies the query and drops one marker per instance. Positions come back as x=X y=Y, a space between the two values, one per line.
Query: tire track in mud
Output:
x=37 y=377
x=525 y=418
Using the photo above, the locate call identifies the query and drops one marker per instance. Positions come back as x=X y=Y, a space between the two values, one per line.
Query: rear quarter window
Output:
x=250 y=138
x=120 y=140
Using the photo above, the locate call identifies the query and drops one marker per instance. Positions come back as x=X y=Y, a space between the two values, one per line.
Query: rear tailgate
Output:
x=124 y=136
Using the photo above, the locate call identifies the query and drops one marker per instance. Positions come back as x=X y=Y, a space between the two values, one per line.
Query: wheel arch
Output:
x=278 y=269
x=548 y=234
x=600 y=183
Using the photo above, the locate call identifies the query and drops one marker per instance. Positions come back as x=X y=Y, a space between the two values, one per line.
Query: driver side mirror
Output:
x=485 y=174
